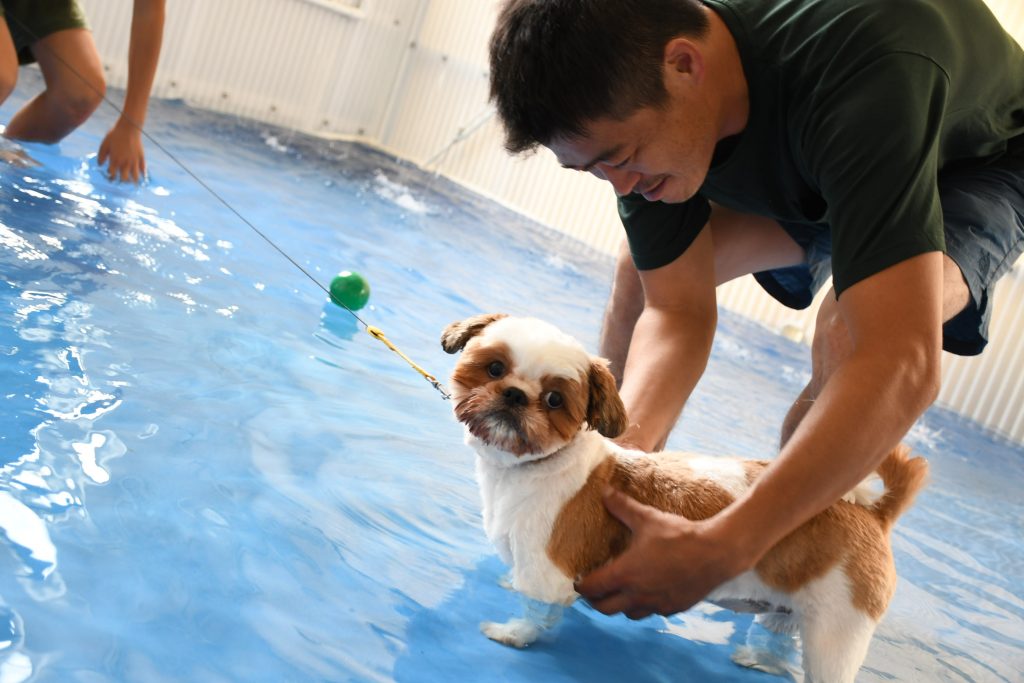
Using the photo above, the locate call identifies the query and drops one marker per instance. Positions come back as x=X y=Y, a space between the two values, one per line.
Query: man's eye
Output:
x=496 y=369
x=622 y=163
x=553 y=399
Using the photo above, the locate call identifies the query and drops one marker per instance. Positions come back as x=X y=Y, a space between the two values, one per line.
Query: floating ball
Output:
x=350 y=290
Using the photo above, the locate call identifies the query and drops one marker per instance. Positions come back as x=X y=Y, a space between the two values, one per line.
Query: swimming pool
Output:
x=209 y=473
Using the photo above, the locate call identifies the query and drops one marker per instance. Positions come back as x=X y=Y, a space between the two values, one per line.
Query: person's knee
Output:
x=77 y=103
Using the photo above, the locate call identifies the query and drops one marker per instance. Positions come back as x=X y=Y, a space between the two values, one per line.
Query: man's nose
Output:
x=622 y=181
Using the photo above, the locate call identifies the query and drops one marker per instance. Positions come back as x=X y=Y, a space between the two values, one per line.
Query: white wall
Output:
x=305 y=64
x=411 y=76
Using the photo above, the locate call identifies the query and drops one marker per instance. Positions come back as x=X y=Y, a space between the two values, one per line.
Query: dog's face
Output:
x=524 y=388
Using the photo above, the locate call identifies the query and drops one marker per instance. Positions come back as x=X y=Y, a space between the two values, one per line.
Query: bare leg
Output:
x=10 y=153
x=747 y=244
x=8 y=63
x=832 y=343
x=71 y=96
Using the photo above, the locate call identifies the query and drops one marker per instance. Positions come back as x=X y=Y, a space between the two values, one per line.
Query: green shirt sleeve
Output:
x=873 y=147
x=658 y=233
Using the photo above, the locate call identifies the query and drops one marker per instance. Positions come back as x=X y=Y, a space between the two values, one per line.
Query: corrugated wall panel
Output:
x=295 y=63
x=1011 y=14
x=411 y=76
x=446 y=94
x=990 y=387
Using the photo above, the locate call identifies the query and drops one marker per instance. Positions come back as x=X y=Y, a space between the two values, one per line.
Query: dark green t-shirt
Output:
x=855 y=106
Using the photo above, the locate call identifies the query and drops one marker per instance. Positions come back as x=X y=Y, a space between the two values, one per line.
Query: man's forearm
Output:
x=625 y=304
x=671 y=342
x=667 y=356
x=867 y=406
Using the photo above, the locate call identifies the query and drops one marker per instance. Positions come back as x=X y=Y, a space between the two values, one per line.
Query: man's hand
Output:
x=122 y=147
x=671 y=563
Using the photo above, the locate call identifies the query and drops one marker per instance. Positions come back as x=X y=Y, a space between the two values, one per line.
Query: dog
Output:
x=541 y=413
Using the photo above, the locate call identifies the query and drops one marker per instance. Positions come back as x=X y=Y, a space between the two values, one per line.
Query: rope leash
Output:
x=377 y=334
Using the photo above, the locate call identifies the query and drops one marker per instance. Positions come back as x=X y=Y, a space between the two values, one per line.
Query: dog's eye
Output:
x=553 y=399
x=496 y=369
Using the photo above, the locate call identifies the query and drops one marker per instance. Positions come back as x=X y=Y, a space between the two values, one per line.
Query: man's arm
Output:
x=867 y=405
x=670 y=343
x=122 y=145
x=625 y=304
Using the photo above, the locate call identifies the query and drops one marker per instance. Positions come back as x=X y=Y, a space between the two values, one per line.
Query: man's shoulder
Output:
x=822 y=29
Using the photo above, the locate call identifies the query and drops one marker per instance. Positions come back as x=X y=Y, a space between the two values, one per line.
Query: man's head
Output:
x=558 y=65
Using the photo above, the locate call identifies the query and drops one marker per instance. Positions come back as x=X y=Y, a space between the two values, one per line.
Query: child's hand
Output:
x=122 y=147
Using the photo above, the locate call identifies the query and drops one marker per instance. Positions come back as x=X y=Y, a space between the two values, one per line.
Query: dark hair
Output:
x=556 y=65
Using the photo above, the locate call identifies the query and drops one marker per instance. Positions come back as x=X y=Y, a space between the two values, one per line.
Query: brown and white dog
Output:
x=540 y=413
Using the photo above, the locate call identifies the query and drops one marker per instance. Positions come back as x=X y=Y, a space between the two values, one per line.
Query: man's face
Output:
x=662 y=153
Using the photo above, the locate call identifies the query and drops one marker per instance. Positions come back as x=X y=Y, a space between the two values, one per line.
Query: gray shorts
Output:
x=983 y=212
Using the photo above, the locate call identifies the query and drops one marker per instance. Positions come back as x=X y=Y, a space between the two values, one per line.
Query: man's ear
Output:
x=456 y=335
x=605 y=411
x=684 y=57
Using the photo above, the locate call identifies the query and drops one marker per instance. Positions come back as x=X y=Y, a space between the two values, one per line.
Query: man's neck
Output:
x=726 y=72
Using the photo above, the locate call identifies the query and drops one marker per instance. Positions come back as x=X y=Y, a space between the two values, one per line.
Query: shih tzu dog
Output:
x=540 y=412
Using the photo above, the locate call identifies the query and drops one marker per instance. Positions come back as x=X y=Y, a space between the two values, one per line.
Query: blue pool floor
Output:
x=210 y=473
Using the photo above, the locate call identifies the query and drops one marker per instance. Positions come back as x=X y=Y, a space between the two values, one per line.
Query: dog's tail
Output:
x=903 y=477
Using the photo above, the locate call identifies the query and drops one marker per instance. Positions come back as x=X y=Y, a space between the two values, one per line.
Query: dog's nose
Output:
x=514 y=396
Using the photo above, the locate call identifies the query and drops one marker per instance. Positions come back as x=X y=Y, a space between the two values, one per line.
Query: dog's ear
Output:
x=456 y=335
x=605 y=411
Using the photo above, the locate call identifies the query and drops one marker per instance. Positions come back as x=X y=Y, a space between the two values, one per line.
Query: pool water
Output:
x=210 y=473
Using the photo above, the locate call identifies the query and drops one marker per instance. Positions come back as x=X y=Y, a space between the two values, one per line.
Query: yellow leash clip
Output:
x=378 y=334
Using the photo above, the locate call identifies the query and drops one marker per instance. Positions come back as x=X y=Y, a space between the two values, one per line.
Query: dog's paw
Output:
x=505 y=581
x=514 y=633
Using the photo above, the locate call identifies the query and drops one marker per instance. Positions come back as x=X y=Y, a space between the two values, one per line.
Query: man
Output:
x=54 y=34
x=879 y=140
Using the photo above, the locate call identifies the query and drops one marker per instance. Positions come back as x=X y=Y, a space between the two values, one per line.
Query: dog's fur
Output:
x=540 y=412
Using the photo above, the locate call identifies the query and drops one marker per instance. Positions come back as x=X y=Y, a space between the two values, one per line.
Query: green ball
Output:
x=350 y=290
